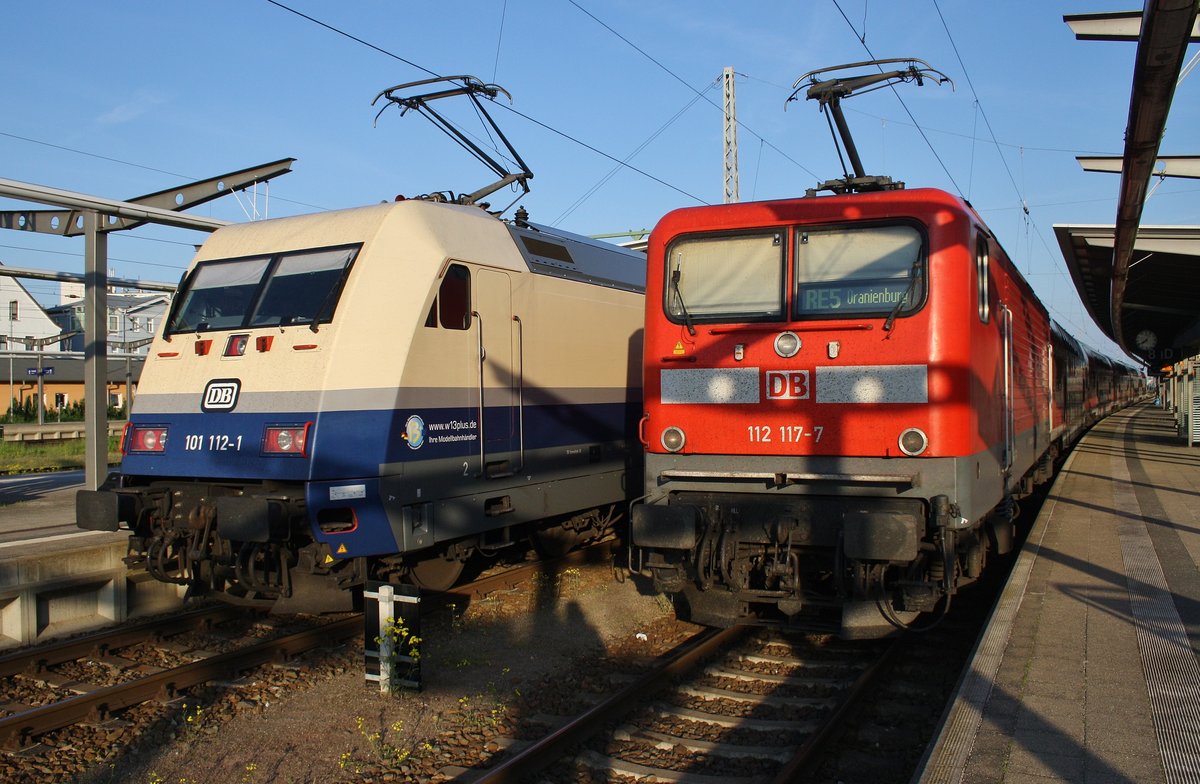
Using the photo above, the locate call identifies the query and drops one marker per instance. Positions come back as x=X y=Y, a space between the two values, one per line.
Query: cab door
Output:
x=498 y=374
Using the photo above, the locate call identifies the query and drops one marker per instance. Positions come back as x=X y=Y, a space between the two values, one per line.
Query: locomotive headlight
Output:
x=913 y=441
x=787 y=344
x=673 y=439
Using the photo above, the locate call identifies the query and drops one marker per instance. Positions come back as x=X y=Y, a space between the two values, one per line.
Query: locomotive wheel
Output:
x=436 y=574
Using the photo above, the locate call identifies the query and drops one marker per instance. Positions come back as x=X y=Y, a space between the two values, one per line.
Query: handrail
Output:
x=1009 y=423
x=520 y=388
x=482 y=357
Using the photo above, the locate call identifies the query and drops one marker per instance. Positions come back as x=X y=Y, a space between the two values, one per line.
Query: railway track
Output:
x=726 y=706
x=93 y=678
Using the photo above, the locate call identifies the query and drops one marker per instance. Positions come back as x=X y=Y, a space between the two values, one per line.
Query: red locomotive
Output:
x=844 y=396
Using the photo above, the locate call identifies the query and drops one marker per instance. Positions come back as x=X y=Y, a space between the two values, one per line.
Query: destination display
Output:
x=818 y=298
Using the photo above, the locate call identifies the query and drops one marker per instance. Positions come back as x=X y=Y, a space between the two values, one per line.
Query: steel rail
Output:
x=551 y=748
x=36 y=659
x=32 y=660
x=18 y=729
x=558 y=744
x=798 y=768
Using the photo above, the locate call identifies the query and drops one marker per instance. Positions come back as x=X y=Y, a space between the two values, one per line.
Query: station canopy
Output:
x=1141 y=283
x=1160 y=310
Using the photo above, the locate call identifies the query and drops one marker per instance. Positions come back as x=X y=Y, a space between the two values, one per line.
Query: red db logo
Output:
x=787 y=384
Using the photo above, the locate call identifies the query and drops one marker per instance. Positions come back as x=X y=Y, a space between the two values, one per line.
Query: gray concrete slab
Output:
x=56 y=579
x=1088 y=671
x=37 y=515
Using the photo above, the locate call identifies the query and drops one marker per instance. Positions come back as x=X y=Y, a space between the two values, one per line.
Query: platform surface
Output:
x=37 y=516
x=1088 y=669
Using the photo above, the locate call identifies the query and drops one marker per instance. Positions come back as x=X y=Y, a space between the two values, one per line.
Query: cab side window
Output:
x=453 y=303
x=983 y=273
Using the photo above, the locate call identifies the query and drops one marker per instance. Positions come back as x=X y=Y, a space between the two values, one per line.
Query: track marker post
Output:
x=391 y=635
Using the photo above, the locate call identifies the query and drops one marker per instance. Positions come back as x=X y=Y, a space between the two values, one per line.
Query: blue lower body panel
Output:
x=425 y=455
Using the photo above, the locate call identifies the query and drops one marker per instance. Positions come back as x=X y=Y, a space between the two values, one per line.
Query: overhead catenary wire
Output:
x=1023 y=205
x=520 y=114
x=862 y=40
x=684 y=82
x=355 y=38
x=970 y=137
x=945 y=132
x=612 y=172
x=123 y=162
x=175 y=267
x=978 y=102
x=600 y=152
x=499 y=39
x=1025 y=216
x=757 y=166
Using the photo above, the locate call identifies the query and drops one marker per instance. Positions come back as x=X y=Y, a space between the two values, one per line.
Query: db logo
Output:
x=221 y=394
x=787 y=384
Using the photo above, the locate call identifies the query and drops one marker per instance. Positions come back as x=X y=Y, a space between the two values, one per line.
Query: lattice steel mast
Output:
x=731 y=151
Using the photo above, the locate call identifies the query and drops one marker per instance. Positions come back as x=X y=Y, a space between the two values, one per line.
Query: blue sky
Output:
x=127 y=98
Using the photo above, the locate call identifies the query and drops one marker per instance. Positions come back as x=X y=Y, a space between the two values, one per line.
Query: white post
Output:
x=387 y=650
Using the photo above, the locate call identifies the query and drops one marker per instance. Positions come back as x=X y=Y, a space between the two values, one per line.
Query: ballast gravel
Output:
x=487 y=667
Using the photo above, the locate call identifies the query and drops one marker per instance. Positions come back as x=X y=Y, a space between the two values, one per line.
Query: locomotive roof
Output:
x=542 y=249
x=561 y=254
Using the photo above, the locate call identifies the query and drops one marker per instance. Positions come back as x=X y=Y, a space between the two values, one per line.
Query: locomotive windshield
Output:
x=298 y=287
x=726 y=277
x=859 y=270
x=838 y=271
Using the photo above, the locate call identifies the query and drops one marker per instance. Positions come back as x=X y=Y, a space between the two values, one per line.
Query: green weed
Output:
x=20 y=457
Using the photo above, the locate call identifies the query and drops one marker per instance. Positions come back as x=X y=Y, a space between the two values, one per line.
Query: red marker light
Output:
x=286 y=439
x=143 y=439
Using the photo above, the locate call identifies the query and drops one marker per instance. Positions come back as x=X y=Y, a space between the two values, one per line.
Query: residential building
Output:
x=22 y=319
x=132 y=318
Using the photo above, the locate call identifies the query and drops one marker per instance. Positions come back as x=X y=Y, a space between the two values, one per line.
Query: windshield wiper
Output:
x=912 y=285
x=332 y=296
x=687 y=317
